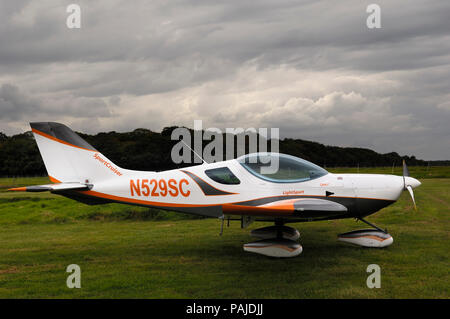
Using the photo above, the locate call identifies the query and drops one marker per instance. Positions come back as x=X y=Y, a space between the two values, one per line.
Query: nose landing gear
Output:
x=375 y=237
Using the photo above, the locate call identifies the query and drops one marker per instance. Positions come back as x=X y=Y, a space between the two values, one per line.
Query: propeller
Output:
x=409 y=183
x=410 y=190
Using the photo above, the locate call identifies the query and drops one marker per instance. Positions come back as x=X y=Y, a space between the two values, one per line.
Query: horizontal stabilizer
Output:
x=52 y=187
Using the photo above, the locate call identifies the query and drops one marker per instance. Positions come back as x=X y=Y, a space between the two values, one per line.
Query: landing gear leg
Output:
x=374 y=226
x=279 y=228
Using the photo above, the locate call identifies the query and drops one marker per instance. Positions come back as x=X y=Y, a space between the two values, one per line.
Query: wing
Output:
x=299 y=207
x=52 y=187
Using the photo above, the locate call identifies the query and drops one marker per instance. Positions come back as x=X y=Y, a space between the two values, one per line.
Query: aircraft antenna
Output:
x=205 y=162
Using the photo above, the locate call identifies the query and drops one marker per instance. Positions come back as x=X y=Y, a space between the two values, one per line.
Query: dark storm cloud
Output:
x=13 y=104
x=312 y=68
x=17 y=105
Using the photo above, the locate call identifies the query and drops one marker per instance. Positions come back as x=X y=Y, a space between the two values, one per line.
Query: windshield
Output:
x=280 y=168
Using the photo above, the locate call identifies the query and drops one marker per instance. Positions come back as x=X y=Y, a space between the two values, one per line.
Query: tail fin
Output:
x=69 y=158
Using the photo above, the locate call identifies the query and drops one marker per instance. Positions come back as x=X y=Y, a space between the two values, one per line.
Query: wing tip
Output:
x=18 y=189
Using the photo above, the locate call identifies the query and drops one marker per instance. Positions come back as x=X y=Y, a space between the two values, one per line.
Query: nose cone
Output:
x=412 y=182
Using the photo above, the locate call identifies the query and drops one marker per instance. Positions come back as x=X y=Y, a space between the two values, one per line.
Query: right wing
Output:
x=288 y=207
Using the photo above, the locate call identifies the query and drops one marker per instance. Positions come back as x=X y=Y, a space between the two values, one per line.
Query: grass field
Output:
x=132 y=252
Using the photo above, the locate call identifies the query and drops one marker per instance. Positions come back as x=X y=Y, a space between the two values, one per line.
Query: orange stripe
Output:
x=228 y=208
x=140 y=201
x=54 y=180
x=257 y=210
x=368 y=236
x=18 y=189
x=284 y=204
x=58 y=140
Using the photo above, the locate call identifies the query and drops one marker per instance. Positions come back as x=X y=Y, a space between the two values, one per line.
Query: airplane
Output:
x=237 y=189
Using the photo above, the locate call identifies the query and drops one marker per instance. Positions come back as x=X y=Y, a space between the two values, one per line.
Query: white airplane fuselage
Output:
x=298 y=190
x=190 y=189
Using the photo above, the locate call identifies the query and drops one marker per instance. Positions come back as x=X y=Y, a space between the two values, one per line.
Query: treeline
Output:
x=143 y=149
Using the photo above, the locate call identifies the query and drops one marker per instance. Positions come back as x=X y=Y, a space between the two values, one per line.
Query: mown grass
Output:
x=122 y=255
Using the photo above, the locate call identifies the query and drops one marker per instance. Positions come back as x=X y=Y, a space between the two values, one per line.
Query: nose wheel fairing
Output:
x=373 y=237
x=367 y=238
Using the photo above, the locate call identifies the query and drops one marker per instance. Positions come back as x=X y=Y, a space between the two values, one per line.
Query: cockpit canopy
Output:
x=280 y=168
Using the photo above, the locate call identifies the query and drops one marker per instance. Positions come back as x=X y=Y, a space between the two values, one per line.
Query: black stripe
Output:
x=207 y=189
x=62 y=132
x=356 y=206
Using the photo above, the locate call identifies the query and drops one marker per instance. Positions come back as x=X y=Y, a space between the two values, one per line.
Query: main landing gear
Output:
x=373 y=237
x=275 y=241
x=281 y=241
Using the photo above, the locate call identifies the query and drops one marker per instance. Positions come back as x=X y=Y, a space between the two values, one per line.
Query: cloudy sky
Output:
x=311 y=68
